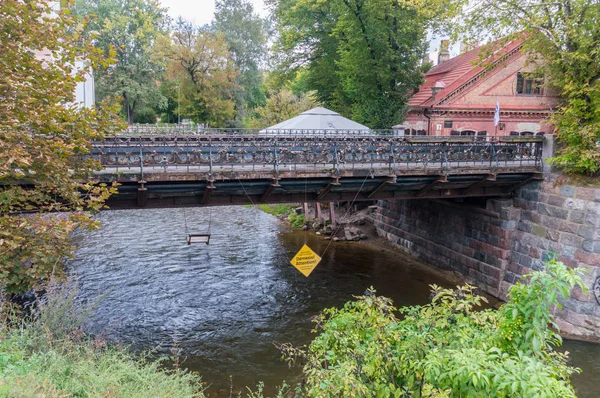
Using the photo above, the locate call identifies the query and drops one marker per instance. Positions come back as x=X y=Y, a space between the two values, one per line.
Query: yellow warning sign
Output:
x=306 y=260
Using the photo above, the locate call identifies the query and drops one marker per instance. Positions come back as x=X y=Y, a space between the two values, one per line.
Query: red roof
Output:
x=452 y=74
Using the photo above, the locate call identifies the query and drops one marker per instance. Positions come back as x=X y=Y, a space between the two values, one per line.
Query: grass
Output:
x=47 y=355
x=277 y=209
x=82 y=370
x=296 y=220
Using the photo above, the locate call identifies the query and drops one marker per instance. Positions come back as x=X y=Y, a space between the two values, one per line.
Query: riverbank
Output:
x=47 y=354
x=355 y=226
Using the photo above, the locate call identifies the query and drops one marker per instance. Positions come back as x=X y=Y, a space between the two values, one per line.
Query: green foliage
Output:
x=276 y=210
x=198 y=60
x=527 y=324
x=148 y=115
x=299 y=84
x=362 y=57
x=446 y=348
x=49 y=356
x=562 y=38
x=43 y=134
x=296 y=220
x=281 y=105
x=127 y=29
x=246 y=37
x=283 y=391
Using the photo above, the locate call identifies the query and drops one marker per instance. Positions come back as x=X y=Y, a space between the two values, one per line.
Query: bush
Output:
x=445 y=348
x=578 y=149
x=296 y=220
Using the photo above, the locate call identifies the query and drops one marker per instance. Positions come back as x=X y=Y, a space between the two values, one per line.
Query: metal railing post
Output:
x=336 y=165
x=494 y=156
x=210 y=162
x=141 y=160
x=392 y=161
x=276 y=165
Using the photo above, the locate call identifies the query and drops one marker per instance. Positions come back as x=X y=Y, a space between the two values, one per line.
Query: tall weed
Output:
x=48 y=354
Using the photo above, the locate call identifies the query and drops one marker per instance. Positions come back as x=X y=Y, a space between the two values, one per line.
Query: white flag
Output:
x=497 y=114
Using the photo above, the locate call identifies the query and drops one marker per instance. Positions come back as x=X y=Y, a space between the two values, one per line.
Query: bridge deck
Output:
x=223 y=170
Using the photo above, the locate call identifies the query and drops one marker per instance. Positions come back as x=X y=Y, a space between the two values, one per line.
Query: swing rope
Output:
x=245 y=192
x=347 y=213
x=187 y=233
x=370 y=174
x=185 y=222
x=250 y=199
x=306 y=207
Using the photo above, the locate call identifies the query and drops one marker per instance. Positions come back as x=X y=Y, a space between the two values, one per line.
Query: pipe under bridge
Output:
x=217 y=167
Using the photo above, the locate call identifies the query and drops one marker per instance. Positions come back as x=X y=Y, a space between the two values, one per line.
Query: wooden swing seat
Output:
x=198 y=238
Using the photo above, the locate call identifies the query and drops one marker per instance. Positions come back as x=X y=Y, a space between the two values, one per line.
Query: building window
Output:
x=524 y=133
x=469 y=133
x=529 y=85
x=447 y=124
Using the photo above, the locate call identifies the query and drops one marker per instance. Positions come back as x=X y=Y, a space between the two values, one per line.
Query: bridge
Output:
x=179 y=168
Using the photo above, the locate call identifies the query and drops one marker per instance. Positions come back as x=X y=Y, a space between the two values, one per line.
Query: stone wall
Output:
x=495 y=245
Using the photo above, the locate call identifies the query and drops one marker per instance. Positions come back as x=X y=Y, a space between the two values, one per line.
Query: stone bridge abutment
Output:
x=494 y=242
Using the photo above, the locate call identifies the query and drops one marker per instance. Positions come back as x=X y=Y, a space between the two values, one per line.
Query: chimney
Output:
x=444 y=54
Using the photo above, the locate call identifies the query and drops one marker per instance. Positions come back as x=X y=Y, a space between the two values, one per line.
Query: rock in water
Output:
x=347 y=234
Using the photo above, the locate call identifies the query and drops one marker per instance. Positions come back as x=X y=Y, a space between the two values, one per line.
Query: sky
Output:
x=201 y=12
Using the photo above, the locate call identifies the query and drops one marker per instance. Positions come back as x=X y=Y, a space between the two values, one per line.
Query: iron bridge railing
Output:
x=335 y=150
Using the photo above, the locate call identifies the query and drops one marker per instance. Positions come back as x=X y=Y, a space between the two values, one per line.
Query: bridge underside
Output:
x=192 y=189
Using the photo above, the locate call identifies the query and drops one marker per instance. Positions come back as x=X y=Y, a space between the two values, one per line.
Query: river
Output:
x=221 y=308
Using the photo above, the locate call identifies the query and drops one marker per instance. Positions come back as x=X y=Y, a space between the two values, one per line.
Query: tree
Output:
x=444 y=348
x=562 y=38
x=43 y=136
x=199 y=61
x=362 y=57
x=281 y=106
x=129 y=29
x=246 y=38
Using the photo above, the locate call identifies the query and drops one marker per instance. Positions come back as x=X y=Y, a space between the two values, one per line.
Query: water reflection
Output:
x=585 y=356
x=224 y=305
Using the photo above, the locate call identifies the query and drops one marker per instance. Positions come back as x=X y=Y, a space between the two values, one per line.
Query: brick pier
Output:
x=493 y=243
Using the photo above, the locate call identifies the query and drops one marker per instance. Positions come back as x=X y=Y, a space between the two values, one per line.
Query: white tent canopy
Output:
x=317 y=119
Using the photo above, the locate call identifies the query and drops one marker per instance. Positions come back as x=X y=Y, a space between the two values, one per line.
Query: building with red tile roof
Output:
x=460 y=94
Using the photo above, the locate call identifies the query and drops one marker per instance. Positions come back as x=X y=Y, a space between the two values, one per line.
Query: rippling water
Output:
x=223 y=306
